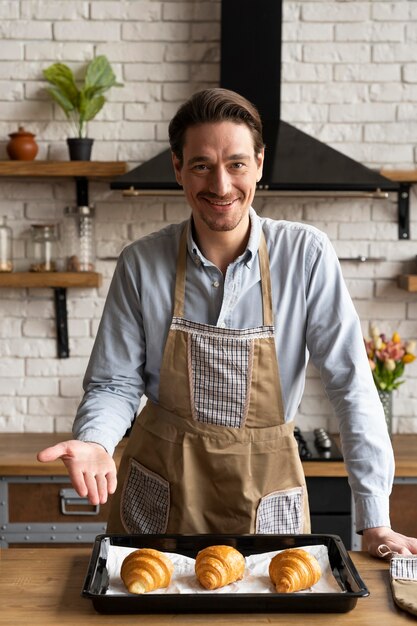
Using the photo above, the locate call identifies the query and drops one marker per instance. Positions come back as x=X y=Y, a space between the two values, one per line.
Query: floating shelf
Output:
x=408 y=282
x=29 y=280
x=62 y=169
x=400 y=176
x=81 y=171
x=59 y=281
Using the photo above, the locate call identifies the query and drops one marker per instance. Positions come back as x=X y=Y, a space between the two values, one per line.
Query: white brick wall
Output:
x=349 y=78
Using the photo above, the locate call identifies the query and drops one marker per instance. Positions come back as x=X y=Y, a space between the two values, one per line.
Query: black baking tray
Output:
x=97 y=579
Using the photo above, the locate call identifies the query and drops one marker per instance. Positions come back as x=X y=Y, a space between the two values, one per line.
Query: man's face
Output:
x=219 y=173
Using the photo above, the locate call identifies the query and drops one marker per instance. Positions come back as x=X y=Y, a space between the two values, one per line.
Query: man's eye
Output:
x=238 y=165
x=200 y=167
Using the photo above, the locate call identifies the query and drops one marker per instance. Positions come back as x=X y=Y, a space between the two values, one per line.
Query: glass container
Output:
x=43 y=248
x=79 y=239
x=6 y=236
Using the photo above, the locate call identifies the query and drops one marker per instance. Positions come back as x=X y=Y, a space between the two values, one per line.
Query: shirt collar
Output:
x=248 y=255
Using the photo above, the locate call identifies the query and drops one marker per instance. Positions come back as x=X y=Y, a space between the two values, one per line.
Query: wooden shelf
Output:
x=400 y=176
x=50 y=279
x=62 y=169
x=408 y=282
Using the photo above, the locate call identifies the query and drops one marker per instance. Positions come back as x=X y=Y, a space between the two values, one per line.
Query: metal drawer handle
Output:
x=69 y=497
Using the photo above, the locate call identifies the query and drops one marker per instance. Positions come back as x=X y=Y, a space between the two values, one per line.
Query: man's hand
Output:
x=91 y=469
x=396 y=542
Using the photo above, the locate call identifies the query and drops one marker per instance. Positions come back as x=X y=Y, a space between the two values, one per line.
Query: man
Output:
x=212 y=320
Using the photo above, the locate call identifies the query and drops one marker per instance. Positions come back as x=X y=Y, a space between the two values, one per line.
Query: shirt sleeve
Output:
x=114 y=381
x=336 y=347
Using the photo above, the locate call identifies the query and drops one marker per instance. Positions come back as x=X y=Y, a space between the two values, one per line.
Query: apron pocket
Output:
x=145 y=501
x=221 y=373
x=281 y=512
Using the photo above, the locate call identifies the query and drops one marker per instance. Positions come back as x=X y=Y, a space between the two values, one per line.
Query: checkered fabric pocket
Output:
x=403 y=567
x=281 y=512
x=220 y=366
x=145 y=501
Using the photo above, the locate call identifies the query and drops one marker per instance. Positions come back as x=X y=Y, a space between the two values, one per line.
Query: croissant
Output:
x=293 y=570
x=146 y=570
x=217 y=566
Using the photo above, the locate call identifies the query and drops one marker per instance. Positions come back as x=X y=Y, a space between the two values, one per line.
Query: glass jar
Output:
x=43 y=248
x=6 y=236
x=79 y=240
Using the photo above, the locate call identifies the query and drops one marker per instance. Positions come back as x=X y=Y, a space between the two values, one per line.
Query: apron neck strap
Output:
x=263 y=267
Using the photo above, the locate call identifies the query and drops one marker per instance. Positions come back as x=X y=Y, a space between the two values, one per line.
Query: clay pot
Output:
x=22 y=145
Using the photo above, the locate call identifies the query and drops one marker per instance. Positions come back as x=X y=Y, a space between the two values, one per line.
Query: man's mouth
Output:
x=218 y=202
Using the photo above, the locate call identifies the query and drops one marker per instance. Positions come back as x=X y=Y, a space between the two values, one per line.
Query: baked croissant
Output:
x=146 y=570
x=217 y=566
x=293 y=570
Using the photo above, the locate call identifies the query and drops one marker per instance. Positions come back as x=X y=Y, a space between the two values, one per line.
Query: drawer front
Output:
x=42 y=502
x=403 y=508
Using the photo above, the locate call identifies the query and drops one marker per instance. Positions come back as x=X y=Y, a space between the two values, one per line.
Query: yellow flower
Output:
x=408 y=358
x=396 y=338
x=389 y=365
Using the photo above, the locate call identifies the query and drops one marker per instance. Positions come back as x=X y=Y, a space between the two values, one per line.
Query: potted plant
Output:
x=80 y=104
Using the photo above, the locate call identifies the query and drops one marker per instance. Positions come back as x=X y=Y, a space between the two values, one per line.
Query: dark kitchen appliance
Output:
x=251 y=65
x=97 y=579
x=317 y=445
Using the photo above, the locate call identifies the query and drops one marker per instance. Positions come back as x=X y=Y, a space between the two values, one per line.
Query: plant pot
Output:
x=80 y=148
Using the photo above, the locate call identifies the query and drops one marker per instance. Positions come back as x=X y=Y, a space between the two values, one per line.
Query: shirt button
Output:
x=215 y=284
x=222 y=325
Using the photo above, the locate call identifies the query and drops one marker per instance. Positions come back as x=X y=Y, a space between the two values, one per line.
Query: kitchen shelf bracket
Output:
x=403 y=202
x=81 y=183
x=61 y=321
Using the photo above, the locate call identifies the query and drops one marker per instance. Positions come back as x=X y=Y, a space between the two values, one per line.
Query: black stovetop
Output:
x=317 y=445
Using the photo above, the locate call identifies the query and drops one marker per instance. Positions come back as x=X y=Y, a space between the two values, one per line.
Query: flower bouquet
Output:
x=388 y=358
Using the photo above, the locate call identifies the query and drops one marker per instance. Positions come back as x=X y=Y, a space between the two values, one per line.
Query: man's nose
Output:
x=219 y=182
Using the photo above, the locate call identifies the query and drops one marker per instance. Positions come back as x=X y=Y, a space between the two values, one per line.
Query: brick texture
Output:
x=349 y=78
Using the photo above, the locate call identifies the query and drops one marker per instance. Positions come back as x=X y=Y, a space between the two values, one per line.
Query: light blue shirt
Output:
x=313 y=315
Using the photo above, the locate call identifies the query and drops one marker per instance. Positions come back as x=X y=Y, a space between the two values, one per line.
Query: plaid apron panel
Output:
x=145 y=501
x=220 y=366
x=281 y=513
x=404 y=567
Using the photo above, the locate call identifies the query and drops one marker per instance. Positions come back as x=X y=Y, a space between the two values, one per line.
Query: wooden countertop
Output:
x=18 y=456
x=42 y=586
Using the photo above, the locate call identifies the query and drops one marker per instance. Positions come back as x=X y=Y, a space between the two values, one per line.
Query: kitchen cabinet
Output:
x=31 y=498
x=82 y=172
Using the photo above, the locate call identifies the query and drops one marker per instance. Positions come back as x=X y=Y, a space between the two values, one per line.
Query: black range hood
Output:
x=294 y=161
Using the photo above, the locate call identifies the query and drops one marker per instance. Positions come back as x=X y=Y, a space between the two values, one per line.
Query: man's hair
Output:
x=214 y=105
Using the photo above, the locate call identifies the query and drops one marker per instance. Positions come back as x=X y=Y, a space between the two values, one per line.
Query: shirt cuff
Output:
x=91 y=435
x=372 y=512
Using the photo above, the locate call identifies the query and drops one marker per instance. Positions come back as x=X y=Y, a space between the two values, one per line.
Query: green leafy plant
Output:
x=81 y=104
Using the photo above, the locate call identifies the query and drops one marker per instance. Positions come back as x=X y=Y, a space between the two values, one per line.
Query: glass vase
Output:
x=386 y=401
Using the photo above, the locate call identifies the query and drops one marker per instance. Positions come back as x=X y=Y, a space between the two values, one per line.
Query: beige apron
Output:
x=215 y=455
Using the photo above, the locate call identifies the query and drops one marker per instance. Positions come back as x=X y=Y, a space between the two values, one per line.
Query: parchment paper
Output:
x=256 y=578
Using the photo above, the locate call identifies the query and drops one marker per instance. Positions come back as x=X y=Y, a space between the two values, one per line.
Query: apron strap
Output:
x=263 y=267
x=179 y=297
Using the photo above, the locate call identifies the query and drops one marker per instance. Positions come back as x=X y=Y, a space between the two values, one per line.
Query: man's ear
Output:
x=177 y=168
x=260 y=164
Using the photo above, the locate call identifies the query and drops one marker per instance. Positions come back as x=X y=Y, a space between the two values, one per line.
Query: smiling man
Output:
x=214 y=320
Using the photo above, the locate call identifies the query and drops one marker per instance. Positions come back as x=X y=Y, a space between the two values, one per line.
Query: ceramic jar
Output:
x=22 y=145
